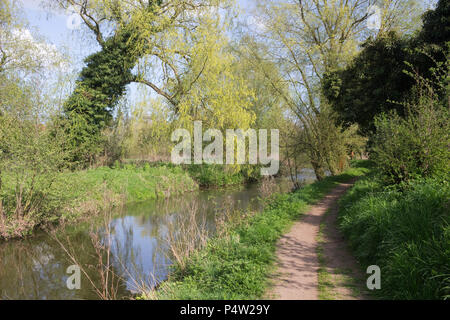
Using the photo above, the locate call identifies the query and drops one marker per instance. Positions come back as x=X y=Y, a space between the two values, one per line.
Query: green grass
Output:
x=238 y=266
x=213 y=175
x=136 y=183
x=325 y=281
x=404 y=231
x=75 y=195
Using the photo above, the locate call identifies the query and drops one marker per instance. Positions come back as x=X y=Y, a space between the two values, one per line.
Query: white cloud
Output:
x=23 y=50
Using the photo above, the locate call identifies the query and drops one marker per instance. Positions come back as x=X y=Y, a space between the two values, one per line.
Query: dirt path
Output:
x=310 y=255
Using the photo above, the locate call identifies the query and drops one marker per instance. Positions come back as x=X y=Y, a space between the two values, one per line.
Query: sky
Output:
x=50 y=24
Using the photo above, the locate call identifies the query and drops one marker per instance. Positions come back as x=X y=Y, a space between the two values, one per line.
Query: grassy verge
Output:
x=210 y=175
x=238 y=265
x=405 y=232
x=329 y=281
x=213 y=175
x=73 y=195
x=135 y=183
x=325 y=280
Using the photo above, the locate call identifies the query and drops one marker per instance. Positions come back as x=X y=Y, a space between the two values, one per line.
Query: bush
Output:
x=415 y=146
x=30 y=154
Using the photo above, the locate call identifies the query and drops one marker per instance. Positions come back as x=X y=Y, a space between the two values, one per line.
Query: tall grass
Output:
x=405 y=232
x=136 y=183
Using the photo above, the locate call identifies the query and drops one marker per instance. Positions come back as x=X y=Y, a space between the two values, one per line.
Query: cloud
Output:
x=24 y=50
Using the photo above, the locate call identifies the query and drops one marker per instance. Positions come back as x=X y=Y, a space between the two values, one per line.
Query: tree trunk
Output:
x=318 y=170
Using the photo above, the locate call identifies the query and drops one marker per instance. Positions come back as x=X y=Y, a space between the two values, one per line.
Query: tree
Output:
x=436 y=25
x=307 y=39
x=371 y=83
x=377 y=79
x=175 y=48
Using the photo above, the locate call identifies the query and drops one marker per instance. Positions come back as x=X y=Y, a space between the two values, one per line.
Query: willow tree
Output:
x=172 y=47
x=309 y=38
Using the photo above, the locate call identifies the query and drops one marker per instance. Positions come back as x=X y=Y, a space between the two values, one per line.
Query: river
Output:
x=142 y=236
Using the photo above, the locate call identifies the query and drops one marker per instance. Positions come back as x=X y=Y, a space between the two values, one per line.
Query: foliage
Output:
x=186 y=39
x=100 y=85
x=371 y=82
x=376 y=78
x=436 y=25
x=149 y=131
x=406 y=233
x=334 y=143
x=29 y=156
x=414 y=146
x=308 y=39
x=220 y=97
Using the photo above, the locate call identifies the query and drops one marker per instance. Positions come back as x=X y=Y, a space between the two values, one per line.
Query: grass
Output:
x=330 y=280
x=213 y=175
x=325 y=280
x=135 y=183
x=405 y=231
x=238 y=265
x=75 y=195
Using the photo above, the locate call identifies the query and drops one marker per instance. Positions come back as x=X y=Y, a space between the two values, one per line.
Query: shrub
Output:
x=414 y=146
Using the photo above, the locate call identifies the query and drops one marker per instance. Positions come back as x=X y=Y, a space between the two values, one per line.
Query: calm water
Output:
x=35 y=268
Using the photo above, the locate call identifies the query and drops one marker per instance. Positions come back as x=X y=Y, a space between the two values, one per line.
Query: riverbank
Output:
x=141 y=237
x=71 y=196
x=214 y=175
x=238 y=264
x=405 y=230
x=75 y=195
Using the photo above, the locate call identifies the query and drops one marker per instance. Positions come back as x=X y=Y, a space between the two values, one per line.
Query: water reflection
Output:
x=141 y=238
